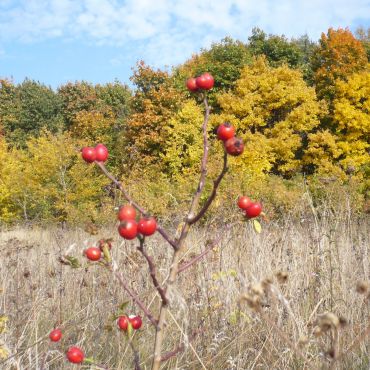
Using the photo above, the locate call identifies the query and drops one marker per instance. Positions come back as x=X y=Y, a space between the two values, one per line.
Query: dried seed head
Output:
x=362 y=287
x=328 y=321
x=303 y=340
x=282 y=277
x=343 y=321
x=258 y=289
x=253 y=301
x=266 y=283
x=317 y=331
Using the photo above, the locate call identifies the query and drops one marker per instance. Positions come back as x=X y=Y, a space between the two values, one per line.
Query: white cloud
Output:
x=168 y=31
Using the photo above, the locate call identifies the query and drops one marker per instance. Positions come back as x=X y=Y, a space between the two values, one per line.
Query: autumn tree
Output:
x=363 y=35
x=273 y=110
x=8 y=167
x=154 y=103
x=51 y=182
x=343 y=147
x=338 y=55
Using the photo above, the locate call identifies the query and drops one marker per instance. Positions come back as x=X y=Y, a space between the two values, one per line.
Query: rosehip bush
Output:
x=135 y=223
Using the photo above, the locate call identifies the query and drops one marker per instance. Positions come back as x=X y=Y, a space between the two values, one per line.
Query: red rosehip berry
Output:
x=75 y=355
x=234 y=146
x=205 y=81
x=244 y=202
x=126 y=212
x=123 y=322
x=101 y=152
x=147 y=226
x=93 y=253
x=136 y=322
x=253 y=210
x=55 y=335
x=191 y=84
x=225 y=131
x=88 y=154
x=128 y=229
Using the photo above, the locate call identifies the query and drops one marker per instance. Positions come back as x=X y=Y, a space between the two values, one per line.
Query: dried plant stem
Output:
x=282 y=335
x=360 y=339
x=181 y=243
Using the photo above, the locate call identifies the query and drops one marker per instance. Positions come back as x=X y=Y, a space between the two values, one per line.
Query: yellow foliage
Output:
x=184 y=146
x=53 y=183
x=345 y=147
x=8 y=167
x=273 y=109
x=93 y=126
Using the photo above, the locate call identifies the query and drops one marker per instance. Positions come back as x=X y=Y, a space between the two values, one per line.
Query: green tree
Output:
x=224 y=60
x=27 y=109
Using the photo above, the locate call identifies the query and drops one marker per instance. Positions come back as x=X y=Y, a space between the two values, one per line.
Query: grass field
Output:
x=245 y=321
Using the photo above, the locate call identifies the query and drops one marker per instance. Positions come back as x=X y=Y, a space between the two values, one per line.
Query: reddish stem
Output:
x=210 y=199
x=152 y=270
x=197 y=258
x=136 y=299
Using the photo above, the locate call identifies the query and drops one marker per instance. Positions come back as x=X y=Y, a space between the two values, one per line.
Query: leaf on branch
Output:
x=123 y=305
x=70 y=261
x=257 y=226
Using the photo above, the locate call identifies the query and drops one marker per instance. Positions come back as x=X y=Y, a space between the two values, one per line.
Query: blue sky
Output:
x=56 y=41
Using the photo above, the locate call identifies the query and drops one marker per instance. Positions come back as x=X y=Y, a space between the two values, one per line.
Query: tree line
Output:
x=301 y=107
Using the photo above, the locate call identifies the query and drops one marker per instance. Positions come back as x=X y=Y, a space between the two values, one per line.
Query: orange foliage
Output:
x=339 y=55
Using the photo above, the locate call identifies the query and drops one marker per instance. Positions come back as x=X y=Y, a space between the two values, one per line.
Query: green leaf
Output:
x=74 y=262
x=257 y=226
x=89 y=360
x=123 y=305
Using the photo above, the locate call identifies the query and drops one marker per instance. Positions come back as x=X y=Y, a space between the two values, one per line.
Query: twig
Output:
x=210 y=199
x=180 y=347
x=134 y=204
x=135 y=298
x=136 y=356
x=152 y=269
x=211 y=245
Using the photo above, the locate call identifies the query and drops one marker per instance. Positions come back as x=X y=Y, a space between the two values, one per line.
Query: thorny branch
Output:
x=197 y=258
x=152 y=270
x=209 y=201
x=135 y=298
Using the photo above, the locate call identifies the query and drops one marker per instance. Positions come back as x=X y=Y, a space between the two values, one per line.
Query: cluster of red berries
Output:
x=74 y=354
x=99 y=153
x=129 y=228
x=233 y=145
x=203 y=82
x=123 y=322
x=252 y=209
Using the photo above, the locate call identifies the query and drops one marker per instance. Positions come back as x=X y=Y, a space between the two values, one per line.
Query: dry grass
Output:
x=324 y=258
